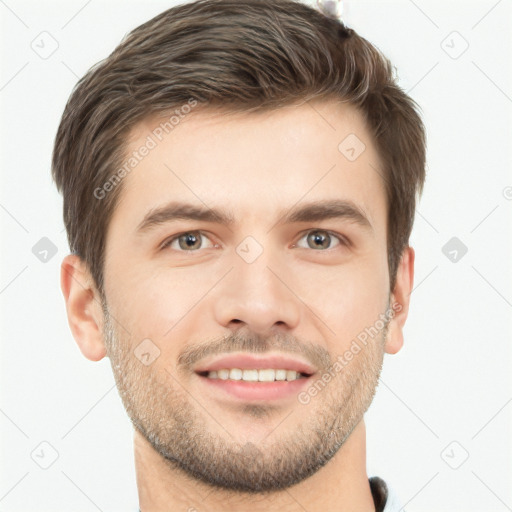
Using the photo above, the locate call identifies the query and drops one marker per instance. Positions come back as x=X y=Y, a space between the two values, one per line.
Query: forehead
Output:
x=253 y=164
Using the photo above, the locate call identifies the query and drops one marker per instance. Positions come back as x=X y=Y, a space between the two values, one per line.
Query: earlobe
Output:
x=83 y=306
x=399 y=302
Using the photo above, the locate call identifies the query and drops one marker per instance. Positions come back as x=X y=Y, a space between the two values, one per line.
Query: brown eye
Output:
x=321 y=239
x=189 y=241
x=186 y=242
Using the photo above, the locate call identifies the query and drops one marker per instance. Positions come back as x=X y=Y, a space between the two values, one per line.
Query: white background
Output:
x=446 y=396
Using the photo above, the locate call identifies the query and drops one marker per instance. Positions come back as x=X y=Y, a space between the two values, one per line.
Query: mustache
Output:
x=254 y=344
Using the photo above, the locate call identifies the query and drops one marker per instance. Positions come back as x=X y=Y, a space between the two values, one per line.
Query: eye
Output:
x=321 y=239
x=188 y=241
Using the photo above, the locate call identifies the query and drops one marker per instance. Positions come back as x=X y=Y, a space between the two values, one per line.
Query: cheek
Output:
x=155 y=303
x=347 y=298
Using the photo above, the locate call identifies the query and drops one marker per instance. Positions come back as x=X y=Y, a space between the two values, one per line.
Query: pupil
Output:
x=190 y=240
x=320 y=239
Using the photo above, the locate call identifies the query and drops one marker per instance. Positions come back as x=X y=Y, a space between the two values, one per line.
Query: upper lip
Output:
x=251 y=362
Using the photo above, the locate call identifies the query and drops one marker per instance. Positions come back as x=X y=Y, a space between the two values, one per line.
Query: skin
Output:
x=295 y=297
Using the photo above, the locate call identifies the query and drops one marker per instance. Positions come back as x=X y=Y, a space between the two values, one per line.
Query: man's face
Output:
x=266 y=285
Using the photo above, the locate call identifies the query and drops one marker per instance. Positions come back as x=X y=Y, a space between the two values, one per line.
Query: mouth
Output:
x=254 y=375
x=247 y=378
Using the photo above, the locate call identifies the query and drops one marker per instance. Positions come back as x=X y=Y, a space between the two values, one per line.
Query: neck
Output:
x=341 y=485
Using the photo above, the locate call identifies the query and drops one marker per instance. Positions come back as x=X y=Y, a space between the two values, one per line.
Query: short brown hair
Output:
x=240 y=55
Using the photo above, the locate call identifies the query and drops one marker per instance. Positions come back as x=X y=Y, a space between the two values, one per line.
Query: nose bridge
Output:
x=254 y=292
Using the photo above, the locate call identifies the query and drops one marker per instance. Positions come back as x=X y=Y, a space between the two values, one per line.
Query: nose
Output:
x=257 y=296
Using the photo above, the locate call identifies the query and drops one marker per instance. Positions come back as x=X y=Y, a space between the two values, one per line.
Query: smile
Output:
x=255 y=375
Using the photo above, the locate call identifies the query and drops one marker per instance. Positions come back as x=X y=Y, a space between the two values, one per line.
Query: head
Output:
x=240 y=177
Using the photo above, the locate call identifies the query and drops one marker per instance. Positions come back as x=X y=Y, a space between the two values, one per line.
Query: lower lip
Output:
x=245 y=390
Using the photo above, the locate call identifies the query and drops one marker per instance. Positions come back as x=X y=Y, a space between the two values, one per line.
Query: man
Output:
x=239 y=182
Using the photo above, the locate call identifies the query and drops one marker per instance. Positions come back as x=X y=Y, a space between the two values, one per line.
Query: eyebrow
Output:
x=310 y=212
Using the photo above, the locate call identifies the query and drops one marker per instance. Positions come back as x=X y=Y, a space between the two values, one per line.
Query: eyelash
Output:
x=341 y=239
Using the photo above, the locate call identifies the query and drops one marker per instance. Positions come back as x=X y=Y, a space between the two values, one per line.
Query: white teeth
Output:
x=291 y=374
x=235 y=374
x=253 y=375
x=280 y=374
x=250 y=375
x=223 y=374
x=267 y=375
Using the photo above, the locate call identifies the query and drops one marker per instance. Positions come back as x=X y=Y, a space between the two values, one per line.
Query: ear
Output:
x=400 y=298
x=83 y=306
